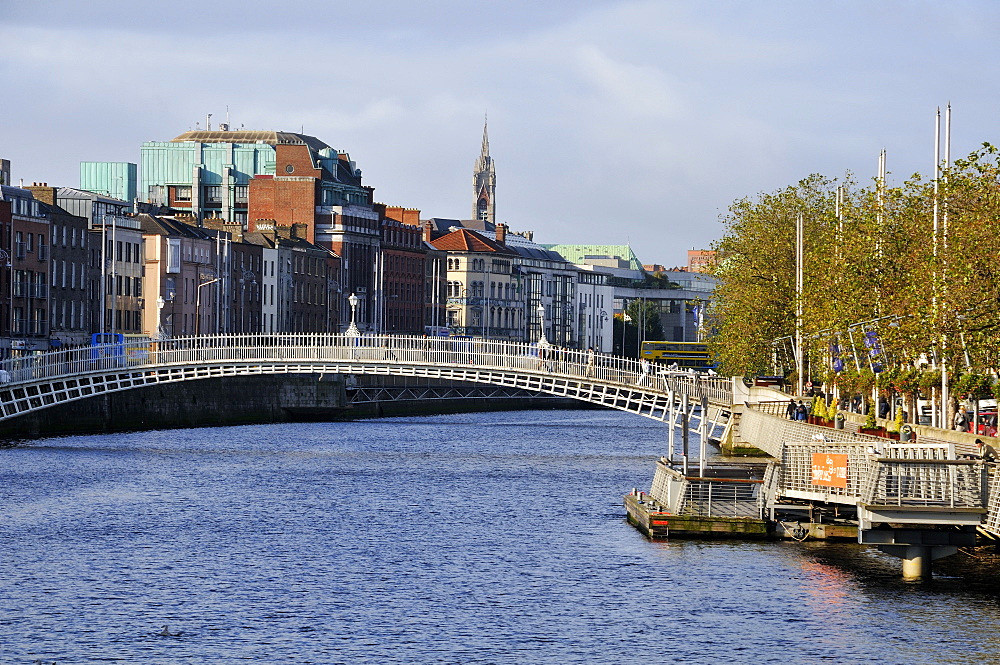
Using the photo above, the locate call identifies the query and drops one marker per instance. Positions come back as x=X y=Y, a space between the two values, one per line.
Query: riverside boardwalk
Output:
x=917 y=500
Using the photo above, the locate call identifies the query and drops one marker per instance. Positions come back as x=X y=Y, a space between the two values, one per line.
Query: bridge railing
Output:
x=992 y=521
x=924 y=483
x=796 y=474
x=381 y=349
x=909 y=475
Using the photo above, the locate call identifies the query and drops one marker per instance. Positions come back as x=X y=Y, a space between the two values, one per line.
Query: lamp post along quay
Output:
x=197 y=301
x=541 y=325
x=245 y=276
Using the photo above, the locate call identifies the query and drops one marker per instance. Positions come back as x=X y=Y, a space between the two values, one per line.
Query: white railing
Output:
x=248 y=349
x=992 y=521
x=924 y=483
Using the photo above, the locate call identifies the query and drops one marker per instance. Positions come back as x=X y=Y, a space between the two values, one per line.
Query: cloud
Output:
x=608 y=120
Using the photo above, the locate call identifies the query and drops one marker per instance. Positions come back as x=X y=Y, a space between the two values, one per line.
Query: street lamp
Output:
x=599 y=333
x=197 y=302
x=353 y=328
x=160 y=302
x=244 y=276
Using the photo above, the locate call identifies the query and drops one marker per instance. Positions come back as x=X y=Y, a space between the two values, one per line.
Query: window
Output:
x=240 y=193
x=182 y=193
x=213 y=194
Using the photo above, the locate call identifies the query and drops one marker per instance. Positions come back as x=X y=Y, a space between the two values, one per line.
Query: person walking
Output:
x=800 y=411
x=790 y=409
x=962 y=420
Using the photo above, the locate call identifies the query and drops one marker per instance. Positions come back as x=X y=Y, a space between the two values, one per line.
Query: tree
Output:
x=905 y=276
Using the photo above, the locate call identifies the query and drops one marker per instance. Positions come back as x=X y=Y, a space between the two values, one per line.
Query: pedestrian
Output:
x=883 y=407
x=962 y=420
x=645 y=372
x=986 y=452
x=800 y=411
x=590 y=361
x=790 y=409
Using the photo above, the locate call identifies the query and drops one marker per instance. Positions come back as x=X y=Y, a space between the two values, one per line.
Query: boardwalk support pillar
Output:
x=917 y=558
x=918 y=547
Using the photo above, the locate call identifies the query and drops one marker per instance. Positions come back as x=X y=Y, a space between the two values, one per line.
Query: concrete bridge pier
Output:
x=917 y=558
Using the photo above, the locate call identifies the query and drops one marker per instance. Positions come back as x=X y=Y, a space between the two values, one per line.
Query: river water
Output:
x=476 y=538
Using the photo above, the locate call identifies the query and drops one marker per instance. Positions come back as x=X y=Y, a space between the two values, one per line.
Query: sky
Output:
x=609 y=122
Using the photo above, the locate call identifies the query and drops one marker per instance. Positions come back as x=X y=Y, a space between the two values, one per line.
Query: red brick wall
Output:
x=296 y=156
x=287 y=202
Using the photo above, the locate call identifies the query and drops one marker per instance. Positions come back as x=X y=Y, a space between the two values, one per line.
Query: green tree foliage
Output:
x=871 y=254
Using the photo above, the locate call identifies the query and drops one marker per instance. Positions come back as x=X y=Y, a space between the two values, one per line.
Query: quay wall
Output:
x=242 y=400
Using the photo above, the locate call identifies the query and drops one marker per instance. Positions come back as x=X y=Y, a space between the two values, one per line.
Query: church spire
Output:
x=486 y=139
x=484 y=182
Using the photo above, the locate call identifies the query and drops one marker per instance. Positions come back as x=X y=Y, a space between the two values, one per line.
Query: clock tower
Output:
x=484 y=184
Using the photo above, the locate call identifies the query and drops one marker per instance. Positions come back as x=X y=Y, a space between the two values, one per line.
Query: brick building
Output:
x=70 y=303
x=24 y=272
x=401 y=271
x=282 y=179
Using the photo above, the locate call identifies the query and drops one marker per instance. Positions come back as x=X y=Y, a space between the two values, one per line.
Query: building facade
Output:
x=484 y=294
x=401 y=272
x=183 y=288
x=69 y=298
x=24 y=272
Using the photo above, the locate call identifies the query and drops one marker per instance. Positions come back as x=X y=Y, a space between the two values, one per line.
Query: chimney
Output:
x=4 y=171
x=427 y=231
x=501 y=233
x=281 y=231
x=42 y=192
x=300 y=230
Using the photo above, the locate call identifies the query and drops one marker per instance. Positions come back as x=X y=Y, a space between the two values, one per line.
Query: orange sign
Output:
x=829 y=469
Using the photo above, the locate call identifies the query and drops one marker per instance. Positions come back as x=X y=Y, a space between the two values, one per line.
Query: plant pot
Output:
x=839 y=423
x=873 y=431
x=893 y=435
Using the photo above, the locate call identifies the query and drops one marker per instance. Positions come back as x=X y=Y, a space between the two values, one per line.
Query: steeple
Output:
x=485 y=152
x=484 y=183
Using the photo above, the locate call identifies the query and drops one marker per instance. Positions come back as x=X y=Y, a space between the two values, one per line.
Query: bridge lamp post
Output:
x=353 y=328
x=541 y=325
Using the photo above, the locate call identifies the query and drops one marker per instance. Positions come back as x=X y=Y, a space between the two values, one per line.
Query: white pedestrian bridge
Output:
x=43 y=380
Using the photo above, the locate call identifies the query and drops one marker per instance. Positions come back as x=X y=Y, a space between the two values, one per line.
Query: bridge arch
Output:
x=38 y=382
